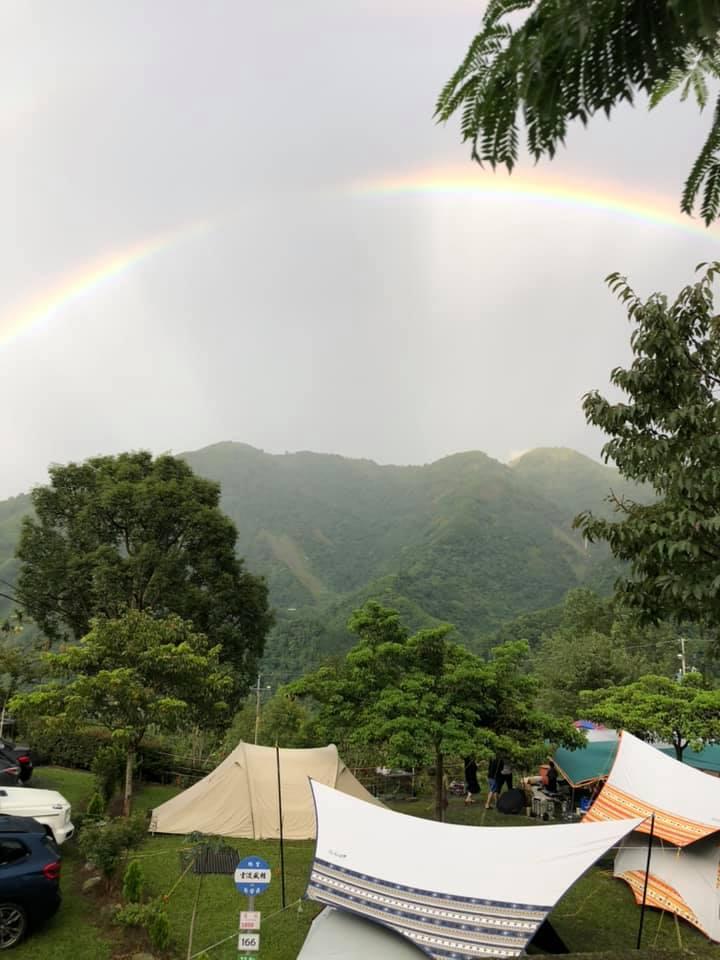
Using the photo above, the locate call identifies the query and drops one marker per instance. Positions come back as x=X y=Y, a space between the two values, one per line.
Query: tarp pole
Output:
x=647 y=877
x=280 y=813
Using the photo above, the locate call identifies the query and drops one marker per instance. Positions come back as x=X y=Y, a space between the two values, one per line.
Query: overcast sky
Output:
x=308 y=310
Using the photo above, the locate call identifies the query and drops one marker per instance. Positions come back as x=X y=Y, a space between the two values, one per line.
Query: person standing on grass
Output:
x=494 y=767
x=471 y=781
x=504 y=778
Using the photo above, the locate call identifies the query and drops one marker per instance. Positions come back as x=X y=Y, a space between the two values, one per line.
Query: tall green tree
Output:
x=19 y=665
x=569 y=662
x=136 y=533
x=598 y=644
x=420 y=699
x=549 y=62
x=684 y=713
x=284 y=720
x=131 y=674
x=666 y=432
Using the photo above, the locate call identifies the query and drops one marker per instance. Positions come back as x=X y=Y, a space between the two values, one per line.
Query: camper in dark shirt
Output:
x=494 y=767
x=552 y=777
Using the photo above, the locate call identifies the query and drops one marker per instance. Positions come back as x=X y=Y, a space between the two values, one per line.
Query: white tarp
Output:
x=686 y=802
x=241 y=797
x=452 y=890
x=339 y=935
x=683 y=880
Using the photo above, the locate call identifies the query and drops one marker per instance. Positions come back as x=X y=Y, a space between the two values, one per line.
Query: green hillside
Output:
x=466 y=539
x=574 y=480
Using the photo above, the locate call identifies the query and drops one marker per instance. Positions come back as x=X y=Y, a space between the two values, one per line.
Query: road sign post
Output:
x=252 y=877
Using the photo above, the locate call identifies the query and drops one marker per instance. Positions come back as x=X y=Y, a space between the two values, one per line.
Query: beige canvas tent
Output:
x=240 y=798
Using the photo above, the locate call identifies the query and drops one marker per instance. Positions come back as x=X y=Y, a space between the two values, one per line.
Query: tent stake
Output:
x=647 y=877
x=282 y=843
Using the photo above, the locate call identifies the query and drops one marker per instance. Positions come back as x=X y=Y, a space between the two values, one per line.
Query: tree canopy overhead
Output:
x=550 y=62
x=417 y=699
x=136 y=533
x=684 y=713
x=666 y=431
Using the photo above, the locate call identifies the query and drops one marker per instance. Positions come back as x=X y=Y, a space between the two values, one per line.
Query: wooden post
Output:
x=647 y=877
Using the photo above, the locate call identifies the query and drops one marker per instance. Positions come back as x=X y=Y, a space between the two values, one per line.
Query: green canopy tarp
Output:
x=586 y=765
x=707 y=759
x=583 y=767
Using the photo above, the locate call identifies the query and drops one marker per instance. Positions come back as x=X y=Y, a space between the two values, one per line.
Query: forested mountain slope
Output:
x=466 y=539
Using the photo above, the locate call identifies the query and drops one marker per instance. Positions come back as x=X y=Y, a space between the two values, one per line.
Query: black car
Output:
x=29 y=878
x=9 y=769
x=21 y=755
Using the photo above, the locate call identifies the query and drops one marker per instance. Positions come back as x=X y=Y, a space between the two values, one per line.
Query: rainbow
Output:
x=471 y=181
x=39 y=309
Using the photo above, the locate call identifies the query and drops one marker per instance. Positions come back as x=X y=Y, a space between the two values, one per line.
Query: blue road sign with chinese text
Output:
x=252 y=876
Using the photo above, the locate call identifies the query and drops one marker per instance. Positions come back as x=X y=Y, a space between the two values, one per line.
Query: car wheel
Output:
x=13 y=925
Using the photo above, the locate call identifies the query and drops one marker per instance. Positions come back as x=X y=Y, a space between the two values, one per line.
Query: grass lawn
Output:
x=597 y=915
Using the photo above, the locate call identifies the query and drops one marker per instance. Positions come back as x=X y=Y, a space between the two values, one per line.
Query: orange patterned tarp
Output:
x=614 y=804
x=661 y=896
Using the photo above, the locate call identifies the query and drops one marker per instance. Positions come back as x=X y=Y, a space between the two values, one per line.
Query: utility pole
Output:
x=258 y=690
x=257 y=707
x=681 y=657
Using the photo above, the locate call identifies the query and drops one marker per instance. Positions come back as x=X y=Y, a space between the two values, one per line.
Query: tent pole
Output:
x=282 y=841
x=647 y=877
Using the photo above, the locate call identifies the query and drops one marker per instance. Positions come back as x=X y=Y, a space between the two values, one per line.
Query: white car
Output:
x=46 y=806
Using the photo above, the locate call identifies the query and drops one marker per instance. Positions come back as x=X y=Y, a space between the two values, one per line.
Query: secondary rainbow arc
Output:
x=70 y=286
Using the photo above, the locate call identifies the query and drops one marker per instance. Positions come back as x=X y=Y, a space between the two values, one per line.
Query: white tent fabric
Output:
x=240 y=798
x=452 y=890
x=339 y=935
x=686 y=802
x=683 y=880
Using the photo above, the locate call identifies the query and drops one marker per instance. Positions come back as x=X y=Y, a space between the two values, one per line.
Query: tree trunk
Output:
x=129 y=766
x=679 y=747
x=439 y=786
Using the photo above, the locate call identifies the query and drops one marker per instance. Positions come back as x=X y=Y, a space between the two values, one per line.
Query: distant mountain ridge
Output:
x=465 y=539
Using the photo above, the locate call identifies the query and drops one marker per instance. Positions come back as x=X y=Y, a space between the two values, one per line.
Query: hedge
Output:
x=78 y=750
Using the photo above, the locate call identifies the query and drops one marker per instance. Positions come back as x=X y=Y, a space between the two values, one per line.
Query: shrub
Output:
x=158 y=925
x=106 y=842
x=96 y=807
x=108 y=765
x=133 y=882
x=152 y=916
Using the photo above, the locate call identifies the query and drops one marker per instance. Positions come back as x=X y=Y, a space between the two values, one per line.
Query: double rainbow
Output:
x=467 y=181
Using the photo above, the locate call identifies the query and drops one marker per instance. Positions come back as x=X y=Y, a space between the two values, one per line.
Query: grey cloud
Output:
x=310 y=315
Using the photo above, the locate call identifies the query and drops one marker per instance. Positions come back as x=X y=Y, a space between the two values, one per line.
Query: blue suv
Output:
x=29 y=878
